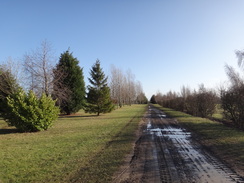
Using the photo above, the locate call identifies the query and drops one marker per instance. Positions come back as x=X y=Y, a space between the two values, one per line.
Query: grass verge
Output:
x=80 y=148
x=227 y=143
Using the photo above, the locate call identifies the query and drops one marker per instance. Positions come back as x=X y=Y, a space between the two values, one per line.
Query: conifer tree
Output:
x=69 y=88
x=98 y=96
x=8 y=86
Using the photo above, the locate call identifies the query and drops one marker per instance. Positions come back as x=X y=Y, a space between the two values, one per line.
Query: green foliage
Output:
x=28 y=113
x=98 y=97
x=8 y=86
x=68 y=77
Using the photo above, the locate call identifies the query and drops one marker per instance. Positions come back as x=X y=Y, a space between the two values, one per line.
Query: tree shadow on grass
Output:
x=77 y=116
x=8 y=131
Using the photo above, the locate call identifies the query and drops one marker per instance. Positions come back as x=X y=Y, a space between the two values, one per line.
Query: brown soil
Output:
x=165 y=152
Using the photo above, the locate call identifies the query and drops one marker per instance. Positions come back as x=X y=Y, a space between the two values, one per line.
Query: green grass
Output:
x=218 y=113
x=225 y=142
x=82 y=148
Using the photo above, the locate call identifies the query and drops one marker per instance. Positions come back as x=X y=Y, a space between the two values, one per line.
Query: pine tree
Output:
x=98 y=96
x=69 y=85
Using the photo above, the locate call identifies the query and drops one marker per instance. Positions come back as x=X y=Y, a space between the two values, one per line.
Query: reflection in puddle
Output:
x=149 y=125
x=163 y=116
x=169 y=132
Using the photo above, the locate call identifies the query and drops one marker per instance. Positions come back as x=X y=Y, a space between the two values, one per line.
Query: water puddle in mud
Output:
x=168 y=131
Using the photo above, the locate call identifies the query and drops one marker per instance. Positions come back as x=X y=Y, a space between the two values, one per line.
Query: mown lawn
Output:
x=226 y=142
x=80 y=148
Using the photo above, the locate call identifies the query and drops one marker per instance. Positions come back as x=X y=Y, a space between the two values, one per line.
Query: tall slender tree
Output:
x=98 y=96
x=70 y=88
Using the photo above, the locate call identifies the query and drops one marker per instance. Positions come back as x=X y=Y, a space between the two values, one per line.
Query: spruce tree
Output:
x=69 y=85
x=98 y=96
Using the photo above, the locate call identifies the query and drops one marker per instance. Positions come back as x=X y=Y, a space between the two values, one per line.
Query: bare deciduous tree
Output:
x=116 y=85
x=39 y=66
x=130 y=91
x=232 y=98
x=123 y=87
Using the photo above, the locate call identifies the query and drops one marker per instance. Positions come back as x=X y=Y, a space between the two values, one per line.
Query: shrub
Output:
x=29 y=113
x=233 y=104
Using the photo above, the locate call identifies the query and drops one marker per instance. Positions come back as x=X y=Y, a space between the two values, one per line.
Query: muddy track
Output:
x=165 y=152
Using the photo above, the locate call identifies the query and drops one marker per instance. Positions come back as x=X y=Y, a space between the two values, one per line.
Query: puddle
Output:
x=168 y=132
x=162 y=116
x=149 y=125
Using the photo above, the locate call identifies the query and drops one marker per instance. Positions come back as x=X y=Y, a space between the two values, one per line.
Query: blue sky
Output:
x=166 y=44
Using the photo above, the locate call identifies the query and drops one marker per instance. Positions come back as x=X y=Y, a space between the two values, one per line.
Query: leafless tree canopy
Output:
x=39 y=66
x=198 y=103
x=124 y=89
x=240 y=57
x=232 y=98
x=234 y=77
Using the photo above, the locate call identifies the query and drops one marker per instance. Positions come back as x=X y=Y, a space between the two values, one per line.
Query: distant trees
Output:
x=124 y=89
x=198 y=103
x=140 y=95
x=69 y=85
x=117 y=86
x=153 y=99
x=98 y=96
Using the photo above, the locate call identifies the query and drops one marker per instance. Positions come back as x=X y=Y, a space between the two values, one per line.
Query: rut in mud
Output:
x=165 y=152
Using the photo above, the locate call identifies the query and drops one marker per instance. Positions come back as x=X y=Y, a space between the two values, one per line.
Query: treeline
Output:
x=124 y=89
x=198 y=103
x=203 y=102
x=34 y=93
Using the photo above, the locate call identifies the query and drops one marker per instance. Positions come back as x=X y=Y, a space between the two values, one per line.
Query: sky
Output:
x=166 y=44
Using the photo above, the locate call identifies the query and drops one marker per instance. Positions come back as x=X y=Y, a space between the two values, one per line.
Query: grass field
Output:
x=226 y=142
x=80 y=148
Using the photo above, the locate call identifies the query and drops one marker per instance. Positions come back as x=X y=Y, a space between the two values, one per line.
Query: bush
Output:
x=201 y=103
x=233 y=104
x=29 y=113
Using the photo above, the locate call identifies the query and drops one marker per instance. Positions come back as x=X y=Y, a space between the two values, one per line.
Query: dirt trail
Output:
x=165 y=152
